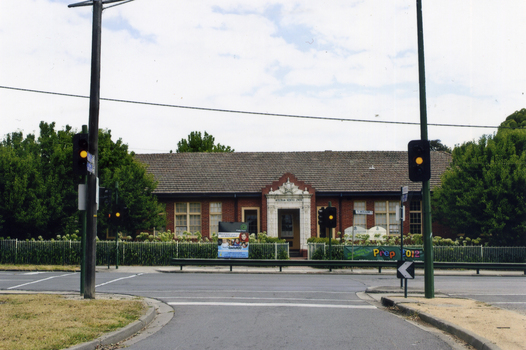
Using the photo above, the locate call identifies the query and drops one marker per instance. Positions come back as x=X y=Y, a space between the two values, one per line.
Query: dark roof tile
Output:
x=249 y=172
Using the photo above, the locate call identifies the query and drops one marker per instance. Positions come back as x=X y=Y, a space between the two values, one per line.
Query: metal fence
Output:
x=320 y=251
x=129 y=253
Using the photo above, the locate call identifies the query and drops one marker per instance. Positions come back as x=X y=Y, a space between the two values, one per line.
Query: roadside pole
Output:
x=93 y=142
x=402 y=255
x=117 y=231
x=426 y=198
x=83 y=222
x=403 y=198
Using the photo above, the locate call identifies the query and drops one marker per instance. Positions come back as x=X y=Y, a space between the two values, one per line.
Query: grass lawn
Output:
x=50 y=321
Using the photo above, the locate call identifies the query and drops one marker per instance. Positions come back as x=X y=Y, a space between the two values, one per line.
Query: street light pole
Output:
x=93 y=142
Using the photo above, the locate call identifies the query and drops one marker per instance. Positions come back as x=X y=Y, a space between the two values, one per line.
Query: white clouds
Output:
x=477 y=44
x=350 y=59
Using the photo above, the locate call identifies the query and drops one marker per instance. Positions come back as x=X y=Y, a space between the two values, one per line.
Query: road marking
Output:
x=118 y=279
x=488 y=295
x=332 y=306
x=32 y=273
x=42 y=280
x=256 y=298
x=247 y=291
x=507 y=302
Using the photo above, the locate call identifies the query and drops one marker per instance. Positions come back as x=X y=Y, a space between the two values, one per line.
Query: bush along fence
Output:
x=160 y=253
x=129 y=253
x=320 y=251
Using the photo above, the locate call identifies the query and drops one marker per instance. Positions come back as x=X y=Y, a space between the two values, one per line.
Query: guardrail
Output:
x=330 y=264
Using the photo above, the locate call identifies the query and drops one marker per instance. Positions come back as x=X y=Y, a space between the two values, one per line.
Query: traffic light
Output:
x=321 y=221
x=321 y=218
x=80 y=154
x=104 y=196
x=330 y=217
x=120 y=213
x=419 y=160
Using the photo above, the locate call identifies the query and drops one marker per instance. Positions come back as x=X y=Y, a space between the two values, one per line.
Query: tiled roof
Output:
x=249 y=172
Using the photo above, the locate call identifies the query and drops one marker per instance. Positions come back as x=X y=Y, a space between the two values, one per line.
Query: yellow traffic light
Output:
x=419 y=157
x=80 y=154
x=117 y=214
x=331 y=217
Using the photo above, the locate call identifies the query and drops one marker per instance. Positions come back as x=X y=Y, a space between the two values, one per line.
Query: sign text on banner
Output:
x=382 y=253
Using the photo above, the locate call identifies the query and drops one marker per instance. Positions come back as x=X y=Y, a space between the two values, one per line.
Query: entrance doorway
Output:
x=289 y=228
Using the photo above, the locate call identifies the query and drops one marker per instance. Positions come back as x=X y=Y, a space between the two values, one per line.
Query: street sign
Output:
x=405 y=192
x=91 y=162
x=363 y=212
x=405 y=269
x=400 y=213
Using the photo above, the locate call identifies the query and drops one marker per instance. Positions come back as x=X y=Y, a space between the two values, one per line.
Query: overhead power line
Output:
x=206 y=109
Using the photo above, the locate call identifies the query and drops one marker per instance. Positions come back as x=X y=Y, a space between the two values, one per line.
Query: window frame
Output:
x=189 y=218
x=390 y=215
x=213 y=216
x=257 y=210
x=360 y=216
x=415 y=214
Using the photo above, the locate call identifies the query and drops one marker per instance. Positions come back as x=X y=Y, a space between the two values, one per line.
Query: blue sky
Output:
x=354 y=60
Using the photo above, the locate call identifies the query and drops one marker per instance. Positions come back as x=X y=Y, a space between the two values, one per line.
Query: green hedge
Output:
x=130 y=253
x=320 y=251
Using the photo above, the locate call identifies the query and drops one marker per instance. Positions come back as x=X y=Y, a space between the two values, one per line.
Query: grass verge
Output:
x=50 y=321
x=26 y=267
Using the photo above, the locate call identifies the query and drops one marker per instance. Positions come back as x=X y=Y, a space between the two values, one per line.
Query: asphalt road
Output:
x=270 y=311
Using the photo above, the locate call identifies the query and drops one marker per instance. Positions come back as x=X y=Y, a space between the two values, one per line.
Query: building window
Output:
x=415 y=217
x=215 y=217
x=187 y=218
x=251 y=216
x=360 y=220
x=385 y=216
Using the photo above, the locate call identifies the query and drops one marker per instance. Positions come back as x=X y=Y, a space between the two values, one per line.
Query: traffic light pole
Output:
x=83 y=237
x=93 y=139
x=429 y=284
x=117 y=231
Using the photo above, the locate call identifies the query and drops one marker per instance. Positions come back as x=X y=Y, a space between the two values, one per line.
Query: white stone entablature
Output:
x=289 y=196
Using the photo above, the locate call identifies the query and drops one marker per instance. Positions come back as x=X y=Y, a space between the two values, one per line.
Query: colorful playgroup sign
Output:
x=382 y=253
x=234 y=243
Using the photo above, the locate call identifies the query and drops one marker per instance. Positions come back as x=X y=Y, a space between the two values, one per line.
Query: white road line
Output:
x=256 y=298
x=245 y=291
x=332 y=306
x=490 y=295
x=507 y=302
x=42 y=280
x=32 y=273
x=115 y=280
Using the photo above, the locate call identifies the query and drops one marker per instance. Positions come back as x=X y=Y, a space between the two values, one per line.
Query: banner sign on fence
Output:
x=232 y=240
x=382 y=253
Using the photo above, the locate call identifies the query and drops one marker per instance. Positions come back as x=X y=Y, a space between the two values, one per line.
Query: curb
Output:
x=475 y=340
x=122 y=333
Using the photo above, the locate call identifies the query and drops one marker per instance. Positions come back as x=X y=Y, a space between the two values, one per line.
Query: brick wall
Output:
x=232 y=211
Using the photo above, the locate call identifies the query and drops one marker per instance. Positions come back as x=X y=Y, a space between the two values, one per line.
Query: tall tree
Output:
x=131 y=185
x=39 y=189
x=483 y=192
x=22 y=209
x=436 y=145
x=197 y=143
